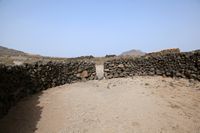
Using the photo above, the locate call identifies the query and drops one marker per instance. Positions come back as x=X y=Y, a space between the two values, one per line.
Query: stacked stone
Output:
x=166 y=51
x=17 y=82
x=185 y=65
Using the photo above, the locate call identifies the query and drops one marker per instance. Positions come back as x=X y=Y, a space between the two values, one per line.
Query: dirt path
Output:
x=129 y=105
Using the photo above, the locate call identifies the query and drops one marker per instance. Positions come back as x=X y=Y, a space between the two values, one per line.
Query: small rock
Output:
x=120 y=65
x=84 y=74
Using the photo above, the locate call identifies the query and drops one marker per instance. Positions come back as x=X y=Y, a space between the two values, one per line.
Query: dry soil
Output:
x=122 y=105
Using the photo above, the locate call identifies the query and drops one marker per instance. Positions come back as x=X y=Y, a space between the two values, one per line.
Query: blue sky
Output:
x=69 y=28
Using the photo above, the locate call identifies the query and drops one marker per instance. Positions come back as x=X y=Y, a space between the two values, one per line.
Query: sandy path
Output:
x=129 y=105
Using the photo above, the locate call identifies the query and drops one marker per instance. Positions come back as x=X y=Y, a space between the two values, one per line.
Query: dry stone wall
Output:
x=16 y=82
x=185 y=65
x=165 y=51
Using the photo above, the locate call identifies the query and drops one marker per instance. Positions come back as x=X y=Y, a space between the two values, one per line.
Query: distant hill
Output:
x=133 y=52
x=11 y=52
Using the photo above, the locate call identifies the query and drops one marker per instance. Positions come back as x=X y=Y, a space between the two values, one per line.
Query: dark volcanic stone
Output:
x=17 y=82
x=165 y=63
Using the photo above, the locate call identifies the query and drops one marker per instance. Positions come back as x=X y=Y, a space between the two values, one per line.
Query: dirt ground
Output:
x=122 y=105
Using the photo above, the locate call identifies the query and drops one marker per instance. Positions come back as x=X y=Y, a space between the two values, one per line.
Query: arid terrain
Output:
x=128 y=105
x=138 y=104
x=99 y=66
x=16 y=57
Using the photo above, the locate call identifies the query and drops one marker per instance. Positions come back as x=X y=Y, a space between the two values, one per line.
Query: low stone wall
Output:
x=185 y=65
x=16 y=82
x=165 y=51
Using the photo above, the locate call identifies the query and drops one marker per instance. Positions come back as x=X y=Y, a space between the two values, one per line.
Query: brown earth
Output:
x=123 y=105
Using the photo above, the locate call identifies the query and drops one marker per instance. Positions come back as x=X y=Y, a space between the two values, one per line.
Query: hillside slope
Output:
x=10 y=52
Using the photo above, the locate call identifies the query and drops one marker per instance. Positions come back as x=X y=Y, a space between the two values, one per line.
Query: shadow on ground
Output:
x=23 y=117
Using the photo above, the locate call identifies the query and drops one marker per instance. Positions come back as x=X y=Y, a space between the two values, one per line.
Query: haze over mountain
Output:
x=4 y=51
x=11 y=52
x=133 y=52
x=71 y=28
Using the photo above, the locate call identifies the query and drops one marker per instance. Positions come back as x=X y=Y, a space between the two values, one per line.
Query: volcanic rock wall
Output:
x=17 y=82
x=185 y=65
x=165 y=51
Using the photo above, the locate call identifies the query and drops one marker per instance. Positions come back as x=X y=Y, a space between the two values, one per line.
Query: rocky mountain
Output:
x=10 y=52
x=133 y=52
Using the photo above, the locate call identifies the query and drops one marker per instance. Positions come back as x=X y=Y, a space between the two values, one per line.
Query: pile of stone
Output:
x=175 y=64
x=17 y=82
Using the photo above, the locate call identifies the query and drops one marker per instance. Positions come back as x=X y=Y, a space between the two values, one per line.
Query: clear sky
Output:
x=69 y=28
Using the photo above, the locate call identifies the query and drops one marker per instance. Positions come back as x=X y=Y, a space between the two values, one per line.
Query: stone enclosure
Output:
x=173 y=64
x=16 y=82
